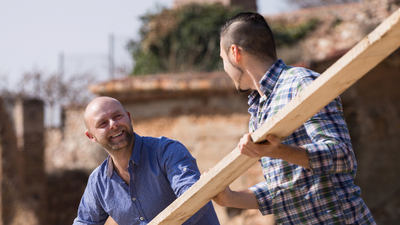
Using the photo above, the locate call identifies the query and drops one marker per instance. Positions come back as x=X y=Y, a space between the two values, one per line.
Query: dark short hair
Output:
x=251 y=32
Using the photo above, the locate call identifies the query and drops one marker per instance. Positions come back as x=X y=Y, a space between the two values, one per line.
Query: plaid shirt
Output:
x=325 y=194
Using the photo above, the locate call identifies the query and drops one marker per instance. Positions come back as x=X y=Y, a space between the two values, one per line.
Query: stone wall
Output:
x=67 y=148
x=31 y=146
x=8 y=145
x=23 y=180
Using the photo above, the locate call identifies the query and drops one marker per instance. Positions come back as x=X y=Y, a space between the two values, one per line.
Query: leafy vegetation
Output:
x=184 y=39
x=187 y=39
x=288 y=34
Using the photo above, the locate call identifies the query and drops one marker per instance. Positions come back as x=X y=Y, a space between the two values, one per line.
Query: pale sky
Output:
x=34 y=33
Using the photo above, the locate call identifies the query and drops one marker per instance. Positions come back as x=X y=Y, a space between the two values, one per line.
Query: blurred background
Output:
x=161 y=60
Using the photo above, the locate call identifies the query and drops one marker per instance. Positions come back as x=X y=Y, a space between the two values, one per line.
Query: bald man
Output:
x=141 y=176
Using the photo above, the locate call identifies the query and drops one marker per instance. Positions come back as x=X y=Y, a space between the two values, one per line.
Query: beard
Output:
x=242 y=91
x=111 y=145
x=239 y=89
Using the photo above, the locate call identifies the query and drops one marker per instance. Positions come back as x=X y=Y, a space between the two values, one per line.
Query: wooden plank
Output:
x=347 y=70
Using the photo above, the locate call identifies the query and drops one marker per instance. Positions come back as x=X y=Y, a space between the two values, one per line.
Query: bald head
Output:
x=98 y=106
x=109 y=124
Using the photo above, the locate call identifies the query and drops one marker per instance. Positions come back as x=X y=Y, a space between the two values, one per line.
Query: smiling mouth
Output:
x=116 y=135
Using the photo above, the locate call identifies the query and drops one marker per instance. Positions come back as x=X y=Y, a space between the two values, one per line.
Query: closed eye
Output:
x=102 y=124
x=117 y=117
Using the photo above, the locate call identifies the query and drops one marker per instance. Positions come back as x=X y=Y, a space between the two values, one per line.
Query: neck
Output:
x=121 y=158
x=256 y=70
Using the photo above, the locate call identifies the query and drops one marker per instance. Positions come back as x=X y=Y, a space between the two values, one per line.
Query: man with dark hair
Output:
x=141 y=176
x=309 y=176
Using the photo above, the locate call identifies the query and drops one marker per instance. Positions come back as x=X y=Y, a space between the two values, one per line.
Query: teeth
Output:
x=117 y=134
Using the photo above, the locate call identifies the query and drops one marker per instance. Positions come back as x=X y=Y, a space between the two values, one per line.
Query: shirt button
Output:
x=141 y=218
x=133 y=199
x=184 y=169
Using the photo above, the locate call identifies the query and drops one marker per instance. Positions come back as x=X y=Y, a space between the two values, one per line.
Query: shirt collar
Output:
x=135 y=157
x=268 y=81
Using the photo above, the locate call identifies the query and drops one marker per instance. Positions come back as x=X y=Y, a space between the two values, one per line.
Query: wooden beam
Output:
x=347 y=70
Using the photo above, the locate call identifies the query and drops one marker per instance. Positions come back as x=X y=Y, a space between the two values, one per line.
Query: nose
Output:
x=113 y=124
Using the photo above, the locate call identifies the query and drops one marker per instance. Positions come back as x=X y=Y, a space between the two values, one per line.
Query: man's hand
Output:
x=274 y=149
x=244 y=199
x=249 y=148
x=222 y=198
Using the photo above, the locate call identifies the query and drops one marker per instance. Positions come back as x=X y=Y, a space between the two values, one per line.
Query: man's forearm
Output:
x=244 y=199
x=292 y=154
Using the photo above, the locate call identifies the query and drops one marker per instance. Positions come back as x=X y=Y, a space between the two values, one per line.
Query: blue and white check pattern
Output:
x=160 y=170
x=326 y=194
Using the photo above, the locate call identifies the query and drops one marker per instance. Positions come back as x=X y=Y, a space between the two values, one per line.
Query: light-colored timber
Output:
x=346 y=71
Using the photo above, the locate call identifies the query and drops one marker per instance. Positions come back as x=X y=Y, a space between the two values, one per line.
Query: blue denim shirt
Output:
x=160 y=170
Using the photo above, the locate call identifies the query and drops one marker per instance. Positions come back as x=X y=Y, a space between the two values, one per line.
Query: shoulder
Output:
x=298 y=77
x=98 y=175
x=161 y=143
x=162 y=148
x=165 y=152
x=300 y=73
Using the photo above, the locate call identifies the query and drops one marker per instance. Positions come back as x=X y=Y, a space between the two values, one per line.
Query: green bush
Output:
x=288 y=35
x=184 y=39
x=187 y=38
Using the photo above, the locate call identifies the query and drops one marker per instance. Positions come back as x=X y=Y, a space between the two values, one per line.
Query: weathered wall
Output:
x=23 y=180
x=29 y=195
x=8 y=145
x=31 y=146
x=68 y=148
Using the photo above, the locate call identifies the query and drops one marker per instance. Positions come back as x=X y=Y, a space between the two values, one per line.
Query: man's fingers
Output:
x=205 y=172
x=273 y=140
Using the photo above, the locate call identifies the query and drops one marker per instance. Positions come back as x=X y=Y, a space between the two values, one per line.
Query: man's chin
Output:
x=242 y=91
x=118 y=146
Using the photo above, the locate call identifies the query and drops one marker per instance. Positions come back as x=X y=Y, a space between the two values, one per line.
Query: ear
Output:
x=236 y=53
x=90 y=136
x=129 y=115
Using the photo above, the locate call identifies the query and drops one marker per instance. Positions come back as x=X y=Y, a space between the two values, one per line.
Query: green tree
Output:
x=187 y=38
x=286 y=34
x=183 y=39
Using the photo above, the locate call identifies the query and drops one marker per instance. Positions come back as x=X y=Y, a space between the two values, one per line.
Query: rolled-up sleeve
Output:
x=182 y=172
x=330 y=150
x=263 y=197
